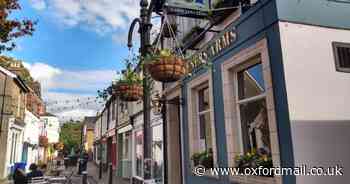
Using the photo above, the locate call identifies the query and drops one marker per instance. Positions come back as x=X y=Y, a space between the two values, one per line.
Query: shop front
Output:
x=124 y=155
x=157 y=168
x=229 y=109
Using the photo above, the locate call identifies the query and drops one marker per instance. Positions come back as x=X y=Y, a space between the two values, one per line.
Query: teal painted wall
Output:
x=258 y=23
x=328 y=13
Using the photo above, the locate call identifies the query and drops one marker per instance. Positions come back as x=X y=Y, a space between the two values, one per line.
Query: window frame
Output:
x=199 y=82
x=238 y=102
x=335 y=46
x=201 y=113
x=242 y=59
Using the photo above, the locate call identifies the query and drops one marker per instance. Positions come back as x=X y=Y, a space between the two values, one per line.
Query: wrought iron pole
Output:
x=145 y=34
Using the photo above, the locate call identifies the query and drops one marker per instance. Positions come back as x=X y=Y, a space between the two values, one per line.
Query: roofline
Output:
x=18 y=80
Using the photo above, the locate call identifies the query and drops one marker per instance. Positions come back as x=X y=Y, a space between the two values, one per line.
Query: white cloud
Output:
x=99 y=15
x=38 y=4
x=71 y=85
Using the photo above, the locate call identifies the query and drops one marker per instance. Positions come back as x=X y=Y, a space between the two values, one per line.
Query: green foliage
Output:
x=70 y=135
x=156 y=54
x=24 y=74
x=129 y=76
x=204 y=158
x=254 y=159
x=12 y=28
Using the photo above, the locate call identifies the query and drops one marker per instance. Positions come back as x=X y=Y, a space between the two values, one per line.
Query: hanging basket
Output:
x=167 y=69
x=129 y=92
x=43 y=141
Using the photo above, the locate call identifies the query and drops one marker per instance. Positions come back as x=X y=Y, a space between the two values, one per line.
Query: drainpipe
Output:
x=3 y=104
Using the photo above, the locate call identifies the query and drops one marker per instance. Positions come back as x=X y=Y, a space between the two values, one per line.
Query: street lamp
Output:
x=158 y=102
x=145 y=33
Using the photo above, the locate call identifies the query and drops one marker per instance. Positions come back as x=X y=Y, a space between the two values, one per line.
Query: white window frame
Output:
x=200 y=82
x=233 y=126
x=245 y=100
x=199 y=88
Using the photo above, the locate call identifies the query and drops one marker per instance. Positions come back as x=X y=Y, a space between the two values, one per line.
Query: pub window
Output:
x=204 y=121
x=342 y=56
x=251 y=103
x=139 y=153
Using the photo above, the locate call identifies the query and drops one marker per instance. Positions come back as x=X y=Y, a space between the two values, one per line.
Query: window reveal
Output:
x=252 y=109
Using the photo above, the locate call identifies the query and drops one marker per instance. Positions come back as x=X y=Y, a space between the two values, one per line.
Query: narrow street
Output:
x=92 y=176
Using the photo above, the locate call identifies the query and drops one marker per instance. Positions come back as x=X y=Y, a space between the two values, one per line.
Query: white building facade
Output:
x=30 y=153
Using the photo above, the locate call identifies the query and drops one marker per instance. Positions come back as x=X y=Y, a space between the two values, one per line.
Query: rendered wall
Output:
x=318 y=98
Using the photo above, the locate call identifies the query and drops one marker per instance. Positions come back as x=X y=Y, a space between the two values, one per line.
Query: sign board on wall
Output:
x=193 y=8
x=201 y=5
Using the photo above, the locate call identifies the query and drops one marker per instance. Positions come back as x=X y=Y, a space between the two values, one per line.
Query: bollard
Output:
x=110 y=173
x=84 y=177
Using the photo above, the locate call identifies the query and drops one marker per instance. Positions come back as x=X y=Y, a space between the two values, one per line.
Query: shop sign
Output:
x=200 y=5
x=214 y=47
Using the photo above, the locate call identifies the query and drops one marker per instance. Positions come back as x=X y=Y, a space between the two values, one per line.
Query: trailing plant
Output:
x=127 y=76
x=204 y=158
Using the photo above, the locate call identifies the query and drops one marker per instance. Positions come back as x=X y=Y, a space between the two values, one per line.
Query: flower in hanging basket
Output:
x=129 y=87
x=165 y=66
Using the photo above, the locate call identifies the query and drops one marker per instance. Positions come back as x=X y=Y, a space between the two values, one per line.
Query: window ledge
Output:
x=254 y=179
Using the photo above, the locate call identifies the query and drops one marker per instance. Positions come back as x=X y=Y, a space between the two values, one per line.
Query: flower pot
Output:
x=129 y=92
x=167 y=69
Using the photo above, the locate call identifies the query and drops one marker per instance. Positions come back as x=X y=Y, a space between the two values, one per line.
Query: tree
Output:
x=11 y=28
x=6 y=62
x=70 y=135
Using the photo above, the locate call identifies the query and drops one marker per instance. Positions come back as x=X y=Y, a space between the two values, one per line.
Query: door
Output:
x=174 y=143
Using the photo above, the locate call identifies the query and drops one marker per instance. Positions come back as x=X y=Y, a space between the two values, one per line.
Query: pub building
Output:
x=278 y=87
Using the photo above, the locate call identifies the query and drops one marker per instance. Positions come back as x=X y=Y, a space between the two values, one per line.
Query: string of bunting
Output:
x=68 y=107
x=77 y=100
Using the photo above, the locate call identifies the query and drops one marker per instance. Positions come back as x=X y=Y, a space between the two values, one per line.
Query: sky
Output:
x=76 y=49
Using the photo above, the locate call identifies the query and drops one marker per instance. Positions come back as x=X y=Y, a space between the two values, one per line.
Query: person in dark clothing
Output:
x=34 y=172
x=19 y=177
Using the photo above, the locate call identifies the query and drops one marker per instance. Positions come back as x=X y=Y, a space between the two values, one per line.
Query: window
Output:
x=342 y=56
x=126 y=143
x=201 y=123
x=157 y=153
x=14 y=141
x=252 y=109
x=205 y=136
